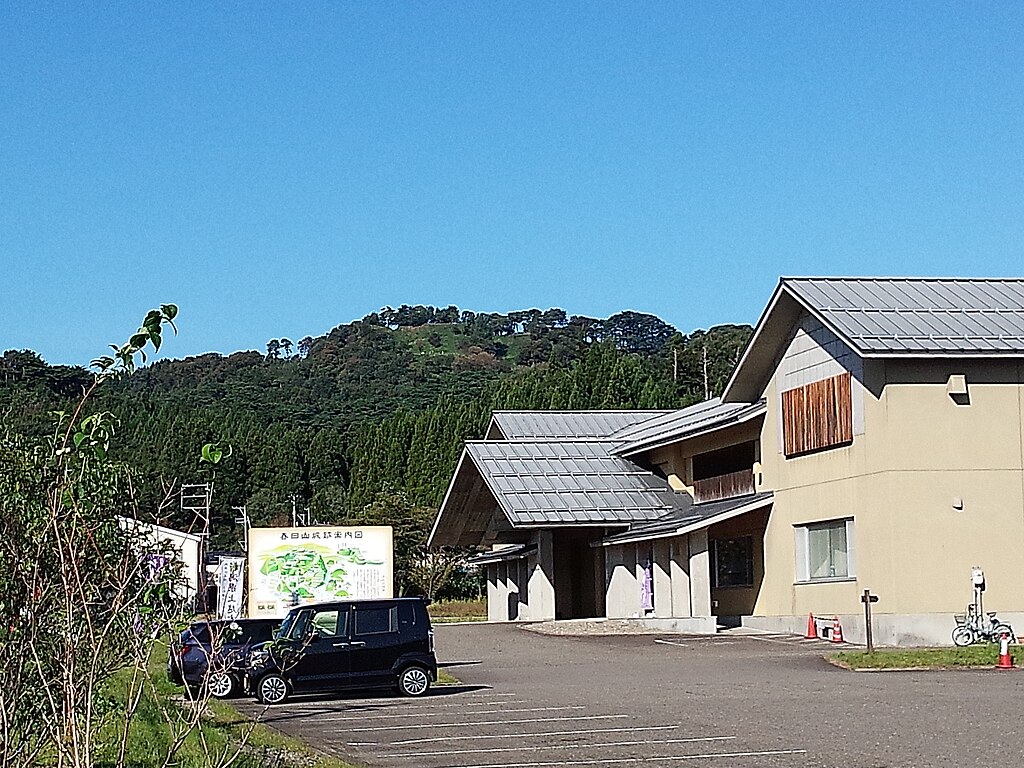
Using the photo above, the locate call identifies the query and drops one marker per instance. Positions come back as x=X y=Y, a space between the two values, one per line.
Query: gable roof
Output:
x=709 y=416
x=568 y=483
x=887 y=317
x=529 y=425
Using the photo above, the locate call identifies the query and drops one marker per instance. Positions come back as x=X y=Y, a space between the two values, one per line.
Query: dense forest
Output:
x=366 y=422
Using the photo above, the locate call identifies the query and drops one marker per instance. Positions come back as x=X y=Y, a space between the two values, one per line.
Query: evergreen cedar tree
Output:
x=366 y=422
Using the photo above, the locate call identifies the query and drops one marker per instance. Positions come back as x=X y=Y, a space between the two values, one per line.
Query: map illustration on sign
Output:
x=288 y=566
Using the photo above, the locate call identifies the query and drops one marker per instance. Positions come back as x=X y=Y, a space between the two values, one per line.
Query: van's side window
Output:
x=376 y=621
x=406 y=615
x=326 y=623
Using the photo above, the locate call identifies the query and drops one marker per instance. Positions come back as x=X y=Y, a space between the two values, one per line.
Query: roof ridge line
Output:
x=925 y=310
x=904 y=279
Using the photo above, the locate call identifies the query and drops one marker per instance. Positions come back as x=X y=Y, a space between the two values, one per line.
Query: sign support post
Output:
x=867 y=598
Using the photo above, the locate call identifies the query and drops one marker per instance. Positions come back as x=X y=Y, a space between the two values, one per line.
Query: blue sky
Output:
x=279 y=169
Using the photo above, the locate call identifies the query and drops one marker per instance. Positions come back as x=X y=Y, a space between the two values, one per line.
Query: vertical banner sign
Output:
x=294 y=566
x=231 y=579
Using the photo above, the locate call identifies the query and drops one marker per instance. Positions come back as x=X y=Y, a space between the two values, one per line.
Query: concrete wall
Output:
x=681 y=576
x=507 y=590
x=541 y=578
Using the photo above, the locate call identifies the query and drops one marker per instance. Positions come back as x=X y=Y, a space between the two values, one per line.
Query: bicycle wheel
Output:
x=999 y=629
x=962 y=636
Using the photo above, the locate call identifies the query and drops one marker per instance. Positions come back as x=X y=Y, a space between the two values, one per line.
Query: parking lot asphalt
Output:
x=729 y=700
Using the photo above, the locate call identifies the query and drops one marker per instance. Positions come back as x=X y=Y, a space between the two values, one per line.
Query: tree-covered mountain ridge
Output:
x=375 y=411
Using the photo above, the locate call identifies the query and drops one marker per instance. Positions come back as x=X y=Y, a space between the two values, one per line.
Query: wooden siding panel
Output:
x=725 y=486
x=818 y=415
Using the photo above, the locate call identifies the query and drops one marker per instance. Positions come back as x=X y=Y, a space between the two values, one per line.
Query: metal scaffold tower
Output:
x=196 y=499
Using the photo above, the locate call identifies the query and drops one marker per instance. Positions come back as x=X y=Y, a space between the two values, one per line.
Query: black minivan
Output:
x=347 y=644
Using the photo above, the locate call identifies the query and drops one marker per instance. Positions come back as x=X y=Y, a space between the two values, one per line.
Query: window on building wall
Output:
x=818 y=415
x=734 y=562
x=825 y=551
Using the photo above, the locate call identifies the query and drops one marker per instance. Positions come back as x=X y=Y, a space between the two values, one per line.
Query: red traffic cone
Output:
x=837 y=631
x=1005 y=659
x=812 y=628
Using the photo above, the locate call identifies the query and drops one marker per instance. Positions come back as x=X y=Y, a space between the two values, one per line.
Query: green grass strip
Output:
x=225 y=731
x=927 y=658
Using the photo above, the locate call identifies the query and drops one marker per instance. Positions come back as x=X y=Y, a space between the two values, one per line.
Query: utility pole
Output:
x=707 y=389
x=675 y=363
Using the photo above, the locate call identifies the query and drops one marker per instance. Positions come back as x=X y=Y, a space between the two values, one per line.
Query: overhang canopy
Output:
x=692 y=518
x=700 y=419
x=504 y=554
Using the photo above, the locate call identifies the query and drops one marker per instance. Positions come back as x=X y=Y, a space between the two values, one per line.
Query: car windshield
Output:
x=285 y=630
x=246 y=632
x=197 y=633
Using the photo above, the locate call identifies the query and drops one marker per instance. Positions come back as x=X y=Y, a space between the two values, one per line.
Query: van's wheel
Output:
x=220 y=685
x=963 y=636
x=413 y=681
x=272 y=689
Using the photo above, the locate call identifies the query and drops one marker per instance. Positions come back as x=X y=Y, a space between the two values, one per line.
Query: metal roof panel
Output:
x=547 y=486
x=527 y=425
x=696 y=419
x=919 y=315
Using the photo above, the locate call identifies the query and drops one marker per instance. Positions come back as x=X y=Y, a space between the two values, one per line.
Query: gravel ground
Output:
x=584 y=627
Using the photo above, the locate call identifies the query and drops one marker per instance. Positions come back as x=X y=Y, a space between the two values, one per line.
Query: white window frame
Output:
x=803 y=555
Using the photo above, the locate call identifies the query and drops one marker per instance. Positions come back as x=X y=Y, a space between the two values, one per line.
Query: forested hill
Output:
x=374 y=411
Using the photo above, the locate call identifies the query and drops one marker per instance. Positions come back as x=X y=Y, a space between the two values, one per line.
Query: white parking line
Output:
x=540 y=748
x=477 y=737
x=363 y=716
x=474 y=724
x=611 y=761
x=670 y=642
x=434 y=704
x=790 y=642
x=449 y=699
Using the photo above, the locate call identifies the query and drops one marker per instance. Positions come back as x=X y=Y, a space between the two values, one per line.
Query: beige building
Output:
x=871 y=437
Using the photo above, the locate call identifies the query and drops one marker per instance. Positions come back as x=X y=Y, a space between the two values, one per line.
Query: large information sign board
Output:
x=293 y=566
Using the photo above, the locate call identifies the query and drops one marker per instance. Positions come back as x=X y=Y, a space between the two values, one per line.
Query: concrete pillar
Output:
x=512 y=597
x=662 y=579
x=643 y=553
x=495 y=598
x=700 y=574
x=523 y=579
x=542 y=578
x=680 y=575
x=623 y=601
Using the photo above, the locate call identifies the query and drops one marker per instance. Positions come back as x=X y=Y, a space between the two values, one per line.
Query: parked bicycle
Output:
x=973 y=628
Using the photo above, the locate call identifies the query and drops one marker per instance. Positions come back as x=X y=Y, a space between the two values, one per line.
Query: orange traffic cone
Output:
x=837 y=631
x=812 y=628
x=1005 y=659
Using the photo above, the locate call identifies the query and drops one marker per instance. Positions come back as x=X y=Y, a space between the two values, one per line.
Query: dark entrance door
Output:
x=579 y=574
